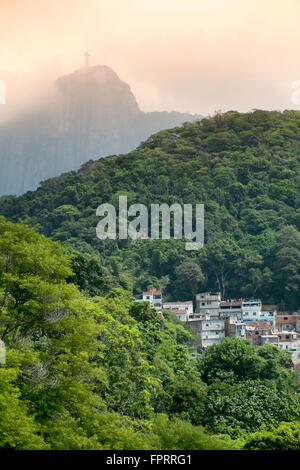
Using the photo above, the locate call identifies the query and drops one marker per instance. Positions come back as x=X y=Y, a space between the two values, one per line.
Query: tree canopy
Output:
x=244 y=168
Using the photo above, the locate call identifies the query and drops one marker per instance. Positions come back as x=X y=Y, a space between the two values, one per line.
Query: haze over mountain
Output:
x=91 y=114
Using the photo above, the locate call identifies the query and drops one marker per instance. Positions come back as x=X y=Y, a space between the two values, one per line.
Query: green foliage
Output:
x=284 y=437
x=244 y=168
x=188 y=278
x=247 y=386
x=83 y=373
x=234 y=360
x=17 y=427
x=69 y=362
x=244 y=407
x=180 y=435
x=95 y=370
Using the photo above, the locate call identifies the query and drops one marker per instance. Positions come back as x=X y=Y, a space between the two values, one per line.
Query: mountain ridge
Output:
x=91 y=114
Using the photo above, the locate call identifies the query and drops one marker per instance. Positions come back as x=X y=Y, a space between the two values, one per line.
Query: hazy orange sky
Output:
x=185 y=55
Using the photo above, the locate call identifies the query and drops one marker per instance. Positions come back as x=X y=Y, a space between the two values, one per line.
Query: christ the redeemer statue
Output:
x=87 y=55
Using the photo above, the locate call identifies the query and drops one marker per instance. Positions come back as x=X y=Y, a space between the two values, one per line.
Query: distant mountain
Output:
x=92 y=114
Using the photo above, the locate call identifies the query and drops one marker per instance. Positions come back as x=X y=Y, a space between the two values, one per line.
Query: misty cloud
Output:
x=190 y=56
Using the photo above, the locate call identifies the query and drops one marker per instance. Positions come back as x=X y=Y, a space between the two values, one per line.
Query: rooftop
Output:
x=178 y=311
x=228 y=303
x=152 y=290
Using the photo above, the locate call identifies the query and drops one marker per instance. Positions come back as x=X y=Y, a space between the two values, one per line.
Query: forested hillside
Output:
x=108 y=373
x=245 y=168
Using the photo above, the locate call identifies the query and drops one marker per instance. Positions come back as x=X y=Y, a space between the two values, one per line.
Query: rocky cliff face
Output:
x=92 y=114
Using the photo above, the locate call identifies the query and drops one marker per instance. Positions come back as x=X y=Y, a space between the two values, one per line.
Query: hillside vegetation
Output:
x=87 y=368
x=245 y=169
x=107 y=373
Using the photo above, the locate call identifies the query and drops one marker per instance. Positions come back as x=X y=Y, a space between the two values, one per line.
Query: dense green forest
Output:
x=104 y=372
x=245 y=169
x=87 y=368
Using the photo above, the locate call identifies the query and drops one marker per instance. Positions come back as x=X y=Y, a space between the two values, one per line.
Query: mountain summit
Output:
x=91 y=114
x=95 y=89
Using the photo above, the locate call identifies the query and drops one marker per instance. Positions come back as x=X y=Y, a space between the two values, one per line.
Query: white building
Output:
x=289 y=340
x=231 y=308
x=251 y=310
x=188 y=306
x=272 y=338
x=234 y=327
x=181 y=315
x=182 y=310
x=154 y=297
x=245 y=310
x=208 y=303
x=210 y=330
